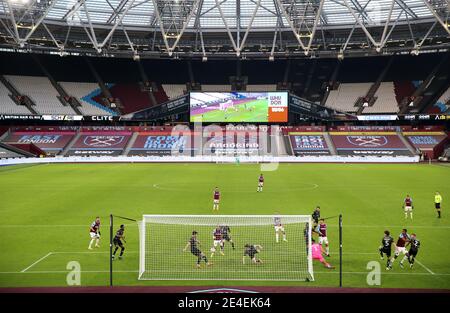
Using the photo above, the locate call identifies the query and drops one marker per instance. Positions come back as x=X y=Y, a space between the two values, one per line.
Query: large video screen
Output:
x=239 y=107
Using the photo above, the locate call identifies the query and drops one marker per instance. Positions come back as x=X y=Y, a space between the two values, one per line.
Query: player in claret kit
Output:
x=400 y=247
x=386 y=247
x=323 y=240
x=408 y=206
x=260 y=183
x=279 y=228
x=316 y=251
x=94 y=231
x=414 y=244
x=216 y=199
x=217 y=241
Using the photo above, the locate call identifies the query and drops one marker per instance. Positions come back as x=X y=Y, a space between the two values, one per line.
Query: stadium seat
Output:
x=84 y=92
x=42 y=92
x=345 y=96
x=7 y=104
x=385 y=100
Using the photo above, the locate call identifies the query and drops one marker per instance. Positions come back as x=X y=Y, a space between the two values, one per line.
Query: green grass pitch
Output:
x=46 y=210
x=257 y=113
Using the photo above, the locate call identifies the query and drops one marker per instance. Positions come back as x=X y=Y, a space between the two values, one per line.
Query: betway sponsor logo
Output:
x=90 y=152
x=366 y=152
x=223 y=290
x=233 y=145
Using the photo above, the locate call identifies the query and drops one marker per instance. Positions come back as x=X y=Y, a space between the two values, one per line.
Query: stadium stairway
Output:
x=280 y=144
x=406 y=143
x=71 y=143
x=130 y=143
x=330 y=143
x=287 y=143
x=5 y=135
x=16 y=150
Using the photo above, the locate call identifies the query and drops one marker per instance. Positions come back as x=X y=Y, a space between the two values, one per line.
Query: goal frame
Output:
x=142 y=243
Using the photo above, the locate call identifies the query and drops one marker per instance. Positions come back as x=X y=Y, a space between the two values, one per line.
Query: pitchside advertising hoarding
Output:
x=161 y=144
x=49 y=142
x=308 y=144
x=109 y=118
x=369 y=144
x=232 y=144
x=111 y=144
x=237 y=107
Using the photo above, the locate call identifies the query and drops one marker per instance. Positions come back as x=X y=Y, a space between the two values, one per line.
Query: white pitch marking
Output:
x=307 y=186
x=136 y=271
x=45 y=256
x=428 y=270
x=87 y=252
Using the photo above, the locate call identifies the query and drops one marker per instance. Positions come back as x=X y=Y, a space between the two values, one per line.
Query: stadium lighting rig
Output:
x=177 y=26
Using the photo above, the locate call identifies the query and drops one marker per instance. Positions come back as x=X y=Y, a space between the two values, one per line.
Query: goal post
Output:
x=164 y=253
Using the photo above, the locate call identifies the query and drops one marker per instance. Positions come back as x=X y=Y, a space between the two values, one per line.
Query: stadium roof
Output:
x=207 y=27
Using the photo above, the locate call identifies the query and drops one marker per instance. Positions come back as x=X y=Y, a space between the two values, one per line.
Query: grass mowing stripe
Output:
x=136 y=271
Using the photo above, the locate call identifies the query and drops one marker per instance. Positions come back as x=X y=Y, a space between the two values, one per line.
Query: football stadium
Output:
x=206 y=146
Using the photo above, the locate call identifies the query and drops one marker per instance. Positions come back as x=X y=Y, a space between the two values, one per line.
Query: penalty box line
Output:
x=41 y=259
x=62 y=252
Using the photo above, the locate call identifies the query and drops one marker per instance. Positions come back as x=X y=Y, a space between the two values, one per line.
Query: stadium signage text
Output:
x=39 y=138
x=423 y=140
x=94 y=152
x=102 y=118
x=164 y=142
x=309 y=142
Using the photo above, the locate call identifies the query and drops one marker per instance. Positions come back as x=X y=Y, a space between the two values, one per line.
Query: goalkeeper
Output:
x=195 y=250
x=251 y=251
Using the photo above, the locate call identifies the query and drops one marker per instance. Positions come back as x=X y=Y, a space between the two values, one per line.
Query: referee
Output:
x=437 y=203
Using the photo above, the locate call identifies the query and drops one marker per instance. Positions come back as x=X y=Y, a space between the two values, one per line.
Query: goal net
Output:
x=169 y=251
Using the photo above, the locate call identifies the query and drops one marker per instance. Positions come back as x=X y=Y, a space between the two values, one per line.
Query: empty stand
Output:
x=211 y=88
x=42 y=92
x=261 y=88
x=6 y=153
x=84 y=93
x=131 y=97
x=385 y=100
x=159 y=93
x=174 y=91
x=345 y=96
x=8 y=106
x=442 y=105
